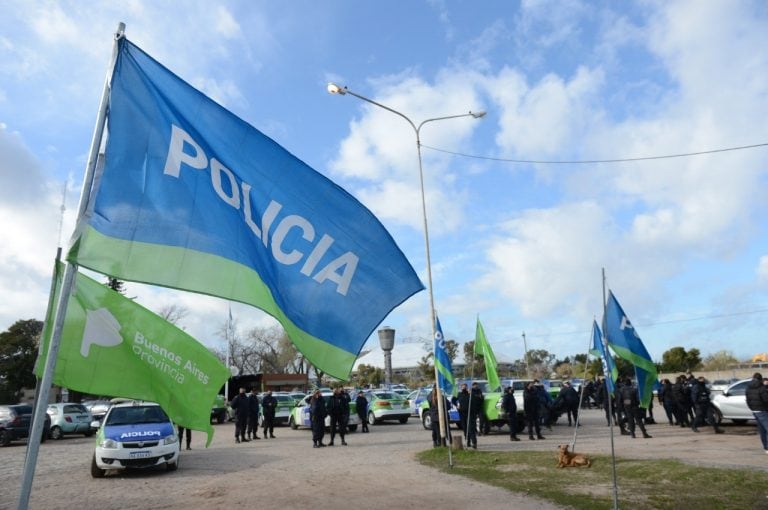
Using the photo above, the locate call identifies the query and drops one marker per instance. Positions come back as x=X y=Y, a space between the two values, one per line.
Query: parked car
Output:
x=219 y=409
x=731 y=404
x=97 y=408
x=68 y=418
x=719 y=385
x=135 y=434
x=386 y=405
x=415 y=398
x=300 y=413
x=14 y=423
x=426 y=418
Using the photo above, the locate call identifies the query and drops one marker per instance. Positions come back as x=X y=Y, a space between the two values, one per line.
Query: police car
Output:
x=135 y=434
x=300 y=413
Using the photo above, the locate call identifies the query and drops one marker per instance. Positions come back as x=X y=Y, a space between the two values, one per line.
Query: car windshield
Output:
x=136 y=414
x=75 y=408
x=387 y=396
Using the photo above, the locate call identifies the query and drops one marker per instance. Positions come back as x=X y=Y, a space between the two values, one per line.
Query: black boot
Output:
x=646 y=435
x=539 y=436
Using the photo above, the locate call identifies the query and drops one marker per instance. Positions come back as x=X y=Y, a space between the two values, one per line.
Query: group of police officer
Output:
x=338 y=409
x=687 y=402
x=246 y=407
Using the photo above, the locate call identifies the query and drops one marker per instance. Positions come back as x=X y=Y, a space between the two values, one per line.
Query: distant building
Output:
x=406 y=358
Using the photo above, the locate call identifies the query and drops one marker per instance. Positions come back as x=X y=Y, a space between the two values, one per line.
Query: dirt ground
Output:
x=376 y=470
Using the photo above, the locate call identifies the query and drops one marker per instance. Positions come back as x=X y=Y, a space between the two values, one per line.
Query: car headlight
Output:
x=170 y=440
x=109 y=443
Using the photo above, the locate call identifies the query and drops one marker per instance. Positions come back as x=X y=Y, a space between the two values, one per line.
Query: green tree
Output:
x=677 y=359
x=18 y=351
x=719 y=360
x=368 y=374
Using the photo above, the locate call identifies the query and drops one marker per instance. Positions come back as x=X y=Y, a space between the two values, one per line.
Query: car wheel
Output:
x=96 y=471
x=372 y=419
x=718 y=415
x=5 y=438
x=292 y=423
x=404 y=419
x=56 y=433
x=172 y=466
x=426 y=420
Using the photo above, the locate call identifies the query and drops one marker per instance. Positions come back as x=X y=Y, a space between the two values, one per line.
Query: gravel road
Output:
x=376 y=470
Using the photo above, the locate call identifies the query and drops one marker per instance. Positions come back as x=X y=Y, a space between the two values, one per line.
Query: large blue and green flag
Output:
x=113 y=346
x=483 y=348
x=445 y=379
x=598 y=351
x=626 y=343
x=194 y=198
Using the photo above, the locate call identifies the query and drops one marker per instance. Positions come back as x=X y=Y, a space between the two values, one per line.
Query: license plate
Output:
x=139 y=455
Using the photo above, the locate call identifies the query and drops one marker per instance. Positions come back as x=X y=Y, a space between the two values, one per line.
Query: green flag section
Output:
x=113 y=346
x=483 y=348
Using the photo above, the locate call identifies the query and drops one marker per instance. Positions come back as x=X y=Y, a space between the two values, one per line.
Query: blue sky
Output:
x=682 y=240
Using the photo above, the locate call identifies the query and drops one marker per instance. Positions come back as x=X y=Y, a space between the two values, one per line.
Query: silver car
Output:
x=69 y=419
x=731 y=404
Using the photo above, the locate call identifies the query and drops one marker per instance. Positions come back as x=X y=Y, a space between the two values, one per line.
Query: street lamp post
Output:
x=336 y=89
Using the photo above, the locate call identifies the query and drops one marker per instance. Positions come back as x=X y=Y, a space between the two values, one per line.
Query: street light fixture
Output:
x=333 y=88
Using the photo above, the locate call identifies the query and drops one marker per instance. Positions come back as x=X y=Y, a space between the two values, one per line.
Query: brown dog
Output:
x=568 y=459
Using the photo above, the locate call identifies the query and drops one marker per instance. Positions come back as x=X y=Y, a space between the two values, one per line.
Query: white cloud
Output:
x=762 y=270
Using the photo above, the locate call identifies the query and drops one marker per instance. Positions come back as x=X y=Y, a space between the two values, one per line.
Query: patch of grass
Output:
x=642 y=484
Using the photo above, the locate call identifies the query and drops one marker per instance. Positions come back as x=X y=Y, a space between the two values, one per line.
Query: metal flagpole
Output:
x=67 y=284
x=610 y=409
x=581 y=394
x=469 y=400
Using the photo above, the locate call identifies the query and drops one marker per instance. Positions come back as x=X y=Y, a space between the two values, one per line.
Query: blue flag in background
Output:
x=445 y=378
x=194 y=198
x=598 y=351
x=626 y=343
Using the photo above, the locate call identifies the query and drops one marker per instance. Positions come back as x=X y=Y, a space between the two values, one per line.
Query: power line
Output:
x=593 y=161
x=660 y=323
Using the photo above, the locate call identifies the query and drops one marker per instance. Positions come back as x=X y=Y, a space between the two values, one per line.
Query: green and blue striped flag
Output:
x=445 y=378
x=194 y=198
x=626 y=343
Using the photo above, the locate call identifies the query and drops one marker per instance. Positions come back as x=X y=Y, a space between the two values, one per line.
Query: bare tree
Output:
x=173 y=313
x=276 y=352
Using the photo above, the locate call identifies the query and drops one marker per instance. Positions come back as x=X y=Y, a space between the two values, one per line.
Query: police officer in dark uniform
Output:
x=361 y=403
x=269 y=407
x=434 y=415
x=317 y=414
x=531 y=408
x=631 y=404
x=337 y=405
x=510 y=407
x=253 y=415
x=462 y=401
x=700 y=396
x=240 y=405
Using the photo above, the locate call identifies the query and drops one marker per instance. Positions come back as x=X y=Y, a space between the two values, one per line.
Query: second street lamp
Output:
x=337 y=89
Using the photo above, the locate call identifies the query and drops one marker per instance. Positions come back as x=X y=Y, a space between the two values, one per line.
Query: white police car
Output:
x=135 y=434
